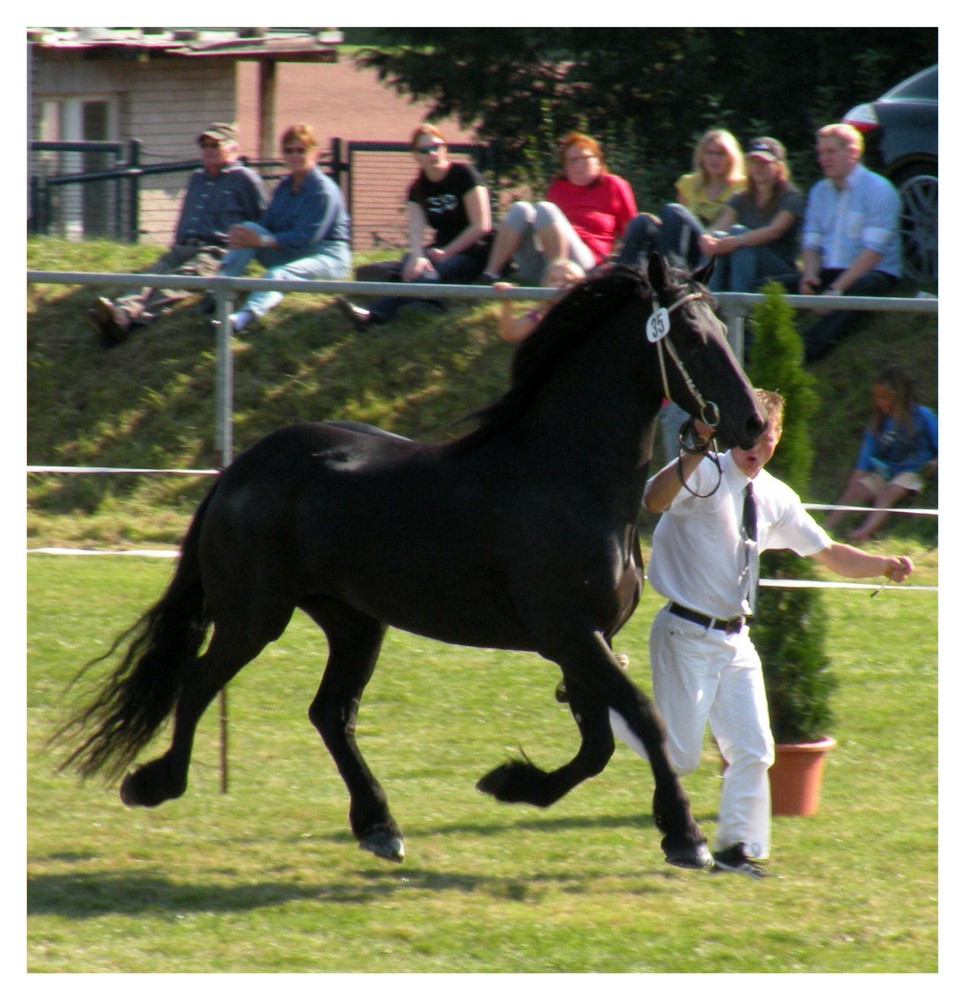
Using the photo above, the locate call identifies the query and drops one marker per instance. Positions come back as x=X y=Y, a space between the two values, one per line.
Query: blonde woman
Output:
x=702 y=195
x=561 y=274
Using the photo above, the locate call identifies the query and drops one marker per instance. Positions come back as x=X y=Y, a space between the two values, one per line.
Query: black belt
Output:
x=728 y=625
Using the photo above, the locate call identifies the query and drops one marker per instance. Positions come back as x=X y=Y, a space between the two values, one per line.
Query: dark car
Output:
x=901 y=141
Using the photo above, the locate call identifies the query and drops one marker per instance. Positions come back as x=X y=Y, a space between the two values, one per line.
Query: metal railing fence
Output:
x=734 y=306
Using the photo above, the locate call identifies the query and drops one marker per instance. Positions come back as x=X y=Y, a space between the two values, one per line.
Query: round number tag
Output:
x=658 y=326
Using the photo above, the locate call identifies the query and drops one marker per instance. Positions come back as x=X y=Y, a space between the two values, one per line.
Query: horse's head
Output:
x=699 y=370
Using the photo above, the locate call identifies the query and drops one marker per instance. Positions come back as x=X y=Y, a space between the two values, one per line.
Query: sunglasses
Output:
x=210 y=145
x=434 y=148
x=295 y=149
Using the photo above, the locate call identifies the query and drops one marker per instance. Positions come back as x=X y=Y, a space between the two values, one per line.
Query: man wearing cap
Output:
x=850 y=237
x=220 y=194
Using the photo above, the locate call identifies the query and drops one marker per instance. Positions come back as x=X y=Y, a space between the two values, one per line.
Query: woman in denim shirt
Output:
x=899 y=447
x=303 y=235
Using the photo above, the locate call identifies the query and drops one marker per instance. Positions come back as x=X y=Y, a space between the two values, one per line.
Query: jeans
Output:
x=325 y=260
x=528 y=220
x=821 y=338
x=458 y=270
x=144 y=305
x=674 y=236
x=745 y=269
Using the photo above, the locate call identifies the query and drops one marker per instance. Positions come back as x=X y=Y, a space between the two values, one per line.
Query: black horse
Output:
x=519 y=535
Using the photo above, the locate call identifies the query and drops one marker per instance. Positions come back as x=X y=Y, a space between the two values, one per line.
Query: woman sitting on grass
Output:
x=899 y=447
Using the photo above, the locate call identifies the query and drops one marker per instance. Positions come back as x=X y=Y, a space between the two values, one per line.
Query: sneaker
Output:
x=735 y=860
x=112 y=324
x=359 y=317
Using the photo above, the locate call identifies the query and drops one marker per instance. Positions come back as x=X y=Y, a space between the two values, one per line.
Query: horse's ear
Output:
x=657 y=272
x=703 y=275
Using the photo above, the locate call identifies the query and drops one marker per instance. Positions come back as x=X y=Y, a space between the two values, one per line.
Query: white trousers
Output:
x=704 y=675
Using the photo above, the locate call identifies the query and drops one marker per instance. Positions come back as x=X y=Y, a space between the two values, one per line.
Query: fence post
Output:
x=133 y=193
x=224 y=403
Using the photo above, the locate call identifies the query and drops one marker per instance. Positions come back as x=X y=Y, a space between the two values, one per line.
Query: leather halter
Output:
x=658 y=330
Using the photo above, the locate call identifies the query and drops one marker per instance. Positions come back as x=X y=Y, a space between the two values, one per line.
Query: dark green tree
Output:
x=790 y=629
x=647 y=93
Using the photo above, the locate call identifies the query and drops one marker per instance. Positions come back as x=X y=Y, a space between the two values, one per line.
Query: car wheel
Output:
x=918 y=187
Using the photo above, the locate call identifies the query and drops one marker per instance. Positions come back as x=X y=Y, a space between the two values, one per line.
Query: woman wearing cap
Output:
x=303 y=235
x=757 y=236
x=452 y=200
x=718 y=173
x=586 y=211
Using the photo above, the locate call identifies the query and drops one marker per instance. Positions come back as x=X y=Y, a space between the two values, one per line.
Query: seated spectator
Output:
x=850 y=237
x=702 y=196
x=221 y=194
x=756 y=237
x=560 y=274
x=452 y=200
x=899 y=447
x=302 y=236
x=585 y=212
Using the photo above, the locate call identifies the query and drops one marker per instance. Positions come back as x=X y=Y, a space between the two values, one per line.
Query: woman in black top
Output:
x=450 y=199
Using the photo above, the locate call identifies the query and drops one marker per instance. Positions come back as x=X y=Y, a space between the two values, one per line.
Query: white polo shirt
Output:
x=699 y=557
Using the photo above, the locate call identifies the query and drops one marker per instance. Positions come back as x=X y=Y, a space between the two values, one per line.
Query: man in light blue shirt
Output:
x=850 y=236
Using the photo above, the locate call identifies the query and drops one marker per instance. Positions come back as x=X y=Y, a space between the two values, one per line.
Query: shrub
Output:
x=790 y=626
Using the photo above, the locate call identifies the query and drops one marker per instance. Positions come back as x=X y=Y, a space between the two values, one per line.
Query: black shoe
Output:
x=487 y=279
x=735 y=860
x=361 y=318
x=206 y=307
x=112 y=324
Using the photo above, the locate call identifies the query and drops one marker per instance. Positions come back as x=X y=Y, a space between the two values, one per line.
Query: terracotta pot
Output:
x=796 y=777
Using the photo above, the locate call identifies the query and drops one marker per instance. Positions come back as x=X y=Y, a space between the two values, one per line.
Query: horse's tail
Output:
x=142 y=691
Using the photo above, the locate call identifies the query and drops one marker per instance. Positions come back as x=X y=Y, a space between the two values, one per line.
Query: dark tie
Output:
x=749 y=523
x=749 y=534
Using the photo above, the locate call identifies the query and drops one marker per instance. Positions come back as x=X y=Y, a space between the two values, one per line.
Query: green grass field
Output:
x=267 y=878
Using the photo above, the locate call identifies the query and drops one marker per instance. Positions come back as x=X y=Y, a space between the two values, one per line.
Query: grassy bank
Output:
x=150 y=402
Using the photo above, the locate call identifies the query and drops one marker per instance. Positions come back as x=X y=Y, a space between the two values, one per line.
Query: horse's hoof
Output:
x=384 y=844
x=151 y=785
x=128 y=795
x=693 y=856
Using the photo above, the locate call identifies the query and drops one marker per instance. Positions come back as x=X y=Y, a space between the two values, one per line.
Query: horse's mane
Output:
x=571 y=320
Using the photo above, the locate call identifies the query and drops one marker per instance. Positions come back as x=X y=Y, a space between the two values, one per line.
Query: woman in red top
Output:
x=585 y=213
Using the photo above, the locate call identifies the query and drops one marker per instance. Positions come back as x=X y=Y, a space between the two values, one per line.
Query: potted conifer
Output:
x=789 y=630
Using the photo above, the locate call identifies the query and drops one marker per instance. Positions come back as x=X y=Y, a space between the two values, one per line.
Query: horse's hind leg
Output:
x=594 y=683
x=354 y=642
x=167 y=777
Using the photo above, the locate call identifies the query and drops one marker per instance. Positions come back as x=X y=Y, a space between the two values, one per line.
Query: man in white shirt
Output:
x=850 y=236
x=705 y=667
